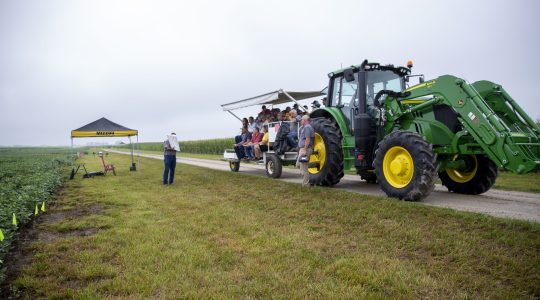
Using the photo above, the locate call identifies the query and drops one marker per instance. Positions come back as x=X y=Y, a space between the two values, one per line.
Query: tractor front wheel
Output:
x=405 y=166
x=477 y=177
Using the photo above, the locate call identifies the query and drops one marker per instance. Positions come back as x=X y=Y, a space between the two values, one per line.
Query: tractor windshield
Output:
x=344 y=93
x=382 y=80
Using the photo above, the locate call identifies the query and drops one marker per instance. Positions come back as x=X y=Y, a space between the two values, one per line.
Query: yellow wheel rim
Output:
x=398 y=167
x=462 y=176
x=319 y=154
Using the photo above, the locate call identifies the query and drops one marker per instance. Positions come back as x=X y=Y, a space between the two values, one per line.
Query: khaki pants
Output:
x=304 y=166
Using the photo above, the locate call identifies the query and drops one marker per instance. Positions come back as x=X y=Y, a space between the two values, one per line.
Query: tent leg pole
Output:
x=131 y=144
x=138 y=156
x=72 y=156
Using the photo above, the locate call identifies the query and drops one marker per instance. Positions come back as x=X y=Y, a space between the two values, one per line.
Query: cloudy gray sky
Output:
x=160 y=66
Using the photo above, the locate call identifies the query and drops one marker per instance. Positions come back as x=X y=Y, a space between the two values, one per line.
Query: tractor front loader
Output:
x=403 y=138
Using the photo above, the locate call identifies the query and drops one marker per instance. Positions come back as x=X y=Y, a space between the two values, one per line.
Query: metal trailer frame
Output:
x=273 y=163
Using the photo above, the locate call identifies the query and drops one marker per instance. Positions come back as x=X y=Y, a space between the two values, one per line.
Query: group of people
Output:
x=249 y=145
x=254 y=138
x=276 y=114
x=298 y=137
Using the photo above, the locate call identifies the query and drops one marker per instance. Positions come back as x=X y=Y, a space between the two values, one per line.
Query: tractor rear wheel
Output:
x=478 y=177
x=327 y=153
x=405 y=165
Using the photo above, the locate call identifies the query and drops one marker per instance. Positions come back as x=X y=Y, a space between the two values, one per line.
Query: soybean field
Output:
x=28 y=176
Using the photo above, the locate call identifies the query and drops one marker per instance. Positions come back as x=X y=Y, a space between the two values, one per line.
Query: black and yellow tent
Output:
x=103 y=128
x=106 y=128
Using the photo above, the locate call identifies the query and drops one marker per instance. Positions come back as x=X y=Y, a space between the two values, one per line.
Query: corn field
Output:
x=212 y=146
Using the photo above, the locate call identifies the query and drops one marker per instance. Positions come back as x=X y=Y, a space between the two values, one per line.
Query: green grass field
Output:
x=229 y=235
x=514 y=182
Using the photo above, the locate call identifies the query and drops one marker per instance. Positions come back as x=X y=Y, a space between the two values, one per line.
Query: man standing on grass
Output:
x=305 y=143
x=169 y=158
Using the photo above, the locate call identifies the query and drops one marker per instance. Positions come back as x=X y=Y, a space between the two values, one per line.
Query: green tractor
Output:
x=403 y=138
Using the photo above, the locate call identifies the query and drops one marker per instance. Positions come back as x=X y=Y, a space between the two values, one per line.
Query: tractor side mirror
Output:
x=420 y=78
x=349 y=75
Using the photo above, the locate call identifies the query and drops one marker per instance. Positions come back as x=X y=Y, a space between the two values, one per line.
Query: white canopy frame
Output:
x=276 y=97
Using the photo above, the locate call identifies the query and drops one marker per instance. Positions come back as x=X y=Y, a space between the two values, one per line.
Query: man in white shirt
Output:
x=169 y=159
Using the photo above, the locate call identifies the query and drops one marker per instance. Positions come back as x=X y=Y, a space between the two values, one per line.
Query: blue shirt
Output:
x=245 y=137
x=294 y=125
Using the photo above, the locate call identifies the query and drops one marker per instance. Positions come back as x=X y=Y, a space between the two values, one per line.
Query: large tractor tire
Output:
x=405 y=165
x=327 y=153
x=478 y=177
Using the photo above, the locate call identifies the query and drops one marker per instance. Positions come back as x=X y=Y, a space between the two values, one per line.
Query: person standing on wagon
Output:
x=170 y=146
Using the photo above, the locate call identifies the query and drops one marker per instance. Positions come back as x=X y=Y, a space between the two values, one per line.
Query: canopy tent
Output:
x=272 y=98
x=103 y=128
x=106 y=128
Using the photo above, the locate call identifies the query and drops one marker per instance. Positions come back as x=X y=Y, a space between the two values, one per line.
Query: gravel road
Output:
x=499 y=203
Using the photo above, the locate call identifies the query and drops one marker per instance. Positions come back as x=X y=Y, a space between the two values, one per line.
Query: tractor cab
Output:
x=358 y=92
x=354 y=90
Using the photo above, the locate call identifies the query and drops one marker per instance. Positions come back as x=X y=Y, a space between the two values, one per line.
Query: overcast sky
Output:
x=162 y=66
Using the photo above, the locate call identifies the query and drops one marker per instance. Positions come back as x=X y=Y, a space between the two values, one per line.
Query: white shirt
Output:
x=251 y=126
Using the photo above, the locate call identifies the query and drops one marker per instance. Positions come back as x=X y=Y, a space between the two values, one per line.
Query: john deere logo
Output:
x=105 y=133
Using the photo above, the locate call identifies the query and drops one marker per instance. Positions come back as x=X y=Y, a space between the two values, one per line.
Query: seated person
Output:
x=238 y=138
x=251 y=124
x=287 y=112
x=264 y=111
x=256 y=138
x=275 y=112
x=259 y=123
x=262 y=146
x=241 y=140
x=292 y=136
x=280 y=144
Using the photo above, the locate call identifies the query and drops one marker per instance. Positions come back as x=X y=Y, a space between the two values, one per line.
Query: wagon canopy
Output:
x=272 y=98
x=103 y=128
